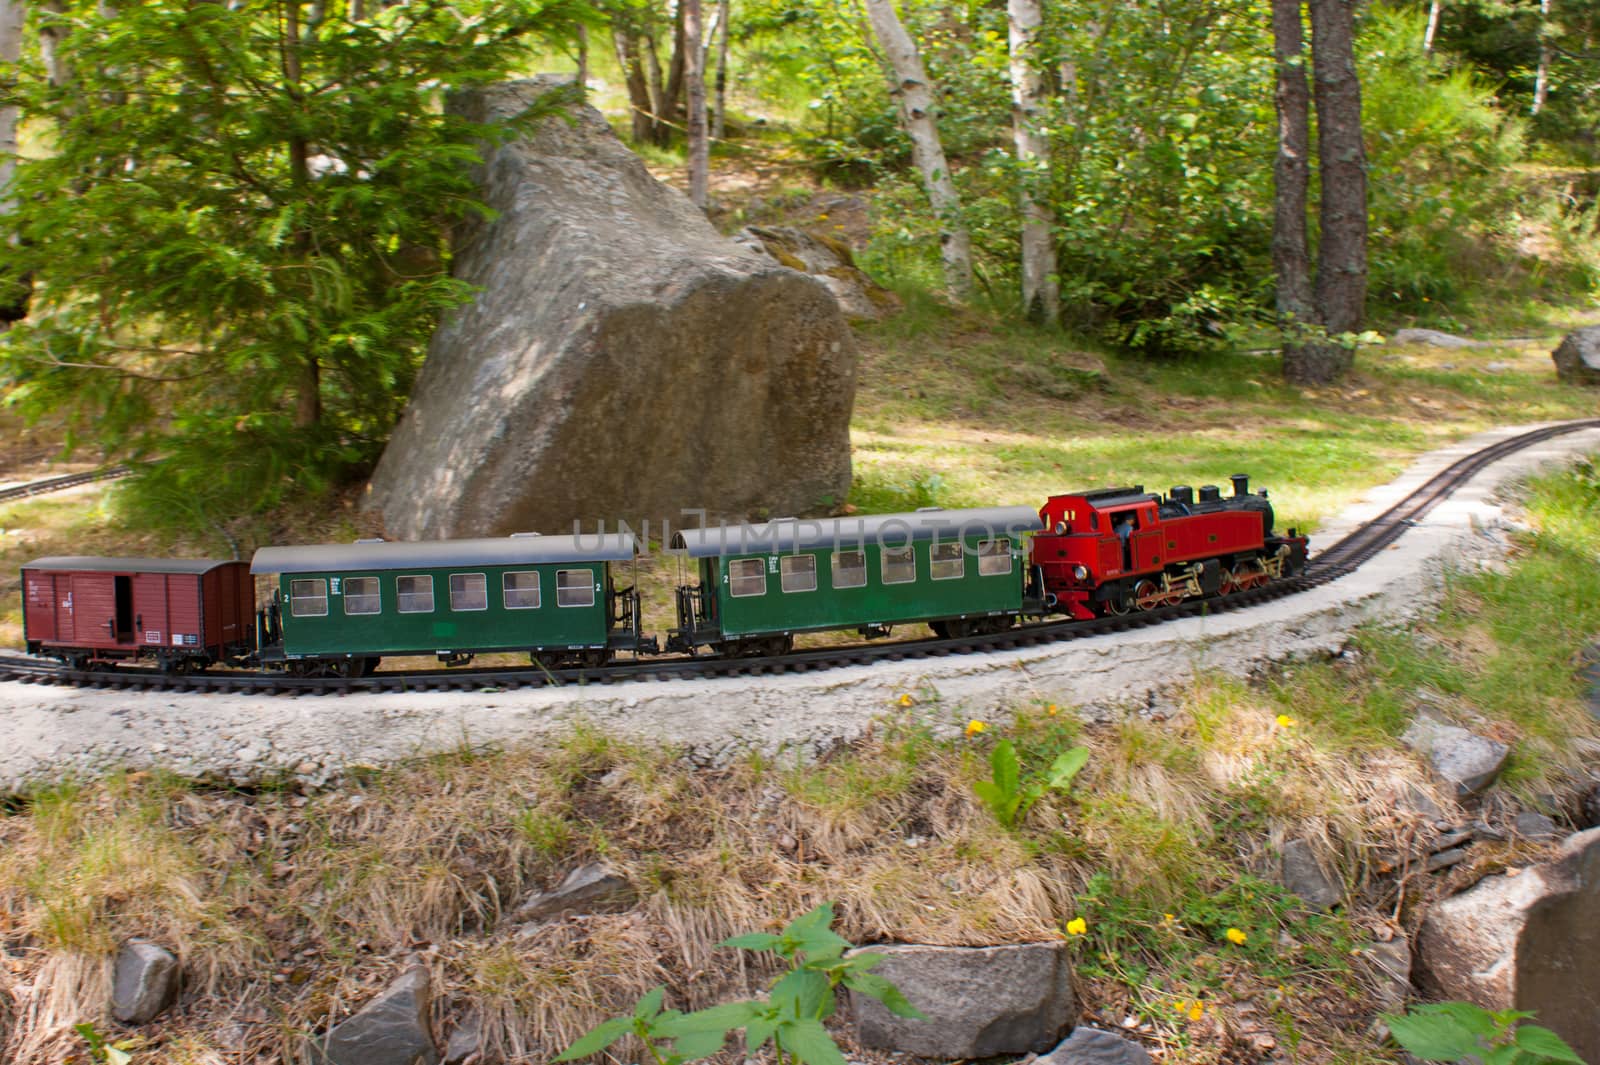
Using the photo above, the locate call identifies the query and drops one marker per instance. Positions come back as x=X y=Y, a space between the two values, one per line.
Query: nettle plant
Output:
x=1460 y=1031
x=790 y=1017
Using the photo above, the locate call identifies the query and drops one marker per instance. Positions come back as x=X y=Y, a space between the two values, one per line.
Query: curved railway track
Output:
x=56 y=484
x=1338 y=560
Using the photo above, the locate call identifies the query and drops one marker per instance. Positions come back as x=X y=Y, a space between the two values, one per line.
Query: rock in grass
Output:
x=1577 y=358
x=393 y=1029
x=621 y=360
x=1304 y=875
x=1528 y=942
x=144 y=982
x=1467 y=761
x=592 y=888
x=1389 y=967
x=1531 y=825
x=1433 y=338
x=1093 y=1046
x=979 y=1001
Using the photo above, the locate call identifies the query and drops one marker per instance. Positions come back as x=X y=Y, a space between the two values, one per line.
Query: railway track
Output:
x=1338 y=560
x=56 y=484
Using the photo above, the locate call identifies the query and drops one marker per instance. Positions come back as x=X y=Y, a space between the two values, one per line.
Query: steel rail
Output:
x=1338 y=560
x=56 y=484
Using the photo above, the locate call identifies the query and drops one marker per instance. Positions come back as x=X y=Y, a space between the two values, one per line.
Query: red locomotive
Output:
x=1120 y=549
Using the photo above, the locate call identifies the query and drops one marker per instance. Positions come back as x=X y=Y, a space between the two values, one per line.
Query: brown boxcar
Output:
x=184 y=614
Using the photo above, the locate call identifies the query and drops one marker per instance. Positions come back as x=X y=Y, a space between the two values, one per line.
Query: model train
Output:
x=339 y=609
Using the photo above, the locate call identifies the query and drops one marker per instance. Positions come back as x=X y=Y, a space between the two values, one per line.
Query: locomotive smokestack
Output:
x=1241 y=484
x=1181 y=493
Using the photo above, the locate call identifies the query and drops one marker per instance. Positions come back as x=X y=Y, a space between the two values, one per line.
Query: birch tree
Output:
x=914 y=92
x=695 y=86
x=1041 y=299
x=1541 y=80
x=719 y=122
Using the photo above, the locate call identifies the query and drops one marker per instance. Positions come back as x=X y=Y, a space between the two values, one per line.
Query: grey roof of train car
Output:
x=96 y=564
x=802 y=534
x=439 y=554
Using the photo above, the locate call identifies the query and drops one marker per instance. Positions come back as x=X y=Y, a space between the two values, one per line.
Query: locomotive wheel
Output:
x=1248 y=575
x=1147 y=595
x=1117 y=605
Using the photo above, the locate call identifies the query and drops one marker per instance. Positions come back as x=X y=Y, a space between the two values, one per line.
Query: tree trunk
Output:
x=915 y=95
x=1291 y=172
x=583 y=59
x=1434 y=9
x=672 y=102
x=695 y=84
x=719 y=126
x=1041 y=299
x=1341 y=286
x=1541 y=81
x=14 y=291
x=627 y=49
x=658 y=91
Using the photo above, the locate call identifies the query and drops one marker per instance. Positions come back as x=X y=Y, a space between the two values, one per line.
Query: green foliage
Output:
x=238 y=234
x=1005 y=793
x=790 y=1017
x=1458 y=1031
x=100 y=1049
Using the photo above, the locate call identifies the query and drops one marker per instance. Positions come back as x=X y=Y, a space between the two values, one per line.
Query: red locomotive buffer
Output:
x=1122 y=549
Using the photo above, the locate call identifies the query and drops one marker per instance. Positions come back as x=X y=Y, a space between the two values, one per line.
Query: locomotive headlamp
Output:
x=1080 y=573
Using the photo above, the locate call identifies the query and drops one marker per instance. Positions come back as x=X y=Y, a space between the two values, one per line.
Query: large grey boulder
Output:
x=979 y=1001
x=622 y=360
x=1459 y=757
x=396 y=1028
x=1527 y=942
x=144 y=982
x=830 y=261
x=1577 y=358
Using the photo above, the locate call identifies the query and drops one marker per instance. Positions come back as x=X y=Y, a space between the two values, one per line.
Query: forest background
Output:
x=227 y=233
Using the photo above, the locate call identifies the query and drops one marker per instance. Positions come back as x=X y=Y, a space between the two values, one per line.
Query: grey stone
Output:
x=1303 y=874
x=592 y=888
x=466 y=1041
x=1528 y=941
x=1591 y=807
x=1094 y=1046
x=1414 y=802
x=979 y=1001
x=622 y=360
x=1536 y=826
x=1433 y=337
x=393 y=1029
x=1388 y=965
x=1577 y=358
x=1460 y=758
x=1446 y=858
x=144 y=982
x=830 y=261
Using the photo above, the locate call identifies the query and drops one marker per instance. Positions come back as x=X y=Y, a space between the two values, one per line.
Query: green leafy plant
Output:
x=790 y=1017
x=99 y=1049
x=1457 y=1031
x=1008 y=798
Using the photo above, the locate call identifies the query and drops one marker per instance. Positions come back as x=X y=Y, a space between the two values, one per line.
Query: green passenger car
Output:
x=959 y=571
x=339 y=608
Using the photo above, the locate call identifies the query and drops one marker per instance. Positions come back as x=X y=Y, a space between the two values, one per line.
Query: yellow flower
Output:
x=1077 y=926
x=1052 y=710
x=1236 y=937
x=1285 y=721
x=1197 y=1011
x=906 y=700
x=975 y=726
x=1182 y=1006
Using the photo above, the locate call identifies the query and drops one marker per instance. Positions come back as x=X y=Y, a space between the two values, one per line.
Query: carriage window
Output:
x=308 y=599
x=899 y=565
x=747 y=576
x=994 y=558
x=947 y=561
x=849 y=569
x=798 y=573
x=574 y=587
x=469 y=591
x=416 y=594
x=361 y=595
x=521 y=590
